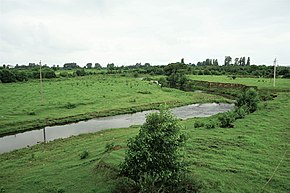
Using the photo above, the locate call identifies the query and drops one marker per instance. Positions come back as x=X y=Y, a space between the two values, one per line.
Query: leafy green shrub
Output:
x=226 y=119
x=155 y=151
x=84 y=154
x=109 y=147
x=49 y=74
x=64 y=74
x=210 y=125
x=80 y=72
x=198 y=124
x=135 y=75
x=21 y=76
x=2 y=189
x=125 y=185
x=241 y=112
x=7 y=76
x=70 y=105
x=31 y=113
x=144 y=92
x=249 y=99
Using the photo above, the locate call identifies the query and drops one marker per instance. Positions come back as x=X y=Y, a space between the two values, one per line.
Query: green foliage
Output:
x=177 y=80
x=241 y=112
x=84 y=154
x=125 y=185
x=109 y=147
x=154 y=153
x=144 y=92
x=227 y=119
x=21 y=76
x=6 y=76
x=198 y=124
x=49 y=74
x=249 y=99
x=80 y=72
x=64 y=74
x=210 y=125
x=136 y=75
x=2 y=189
x=70 y=105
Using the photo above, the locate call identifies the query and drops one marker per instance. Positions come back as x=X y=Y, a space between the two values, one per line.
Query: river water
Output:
x=29 y=138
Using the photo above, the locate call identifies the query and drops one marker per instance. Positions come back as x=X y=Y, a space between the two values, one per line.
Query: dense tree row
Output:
x=207 y=67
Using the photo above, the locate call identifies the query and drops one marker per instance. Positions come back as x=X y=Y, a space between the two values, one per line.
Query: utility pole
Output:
x=274 y=82
x=40 y=79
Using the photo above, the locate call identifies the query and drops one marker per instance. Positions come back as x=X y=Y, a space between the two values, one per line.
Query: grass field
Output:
x=73 y=99
x=261 y=83
x=239 y=159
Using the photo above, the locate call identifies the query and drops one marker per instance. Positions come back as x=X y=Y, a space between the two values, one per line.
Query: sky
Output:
x=126 y=32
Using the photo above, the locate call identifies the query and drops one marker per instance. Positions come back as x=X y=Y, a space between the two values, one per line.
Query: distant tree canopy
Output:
x=174 y=68
x=175 y=72
x=7 y=76
x=147 y=64
x=208 y=62
x=110 y=67
x=89 y=65
x=98 y=66
x=228 y=60
x=70 y=65
x=237 y=62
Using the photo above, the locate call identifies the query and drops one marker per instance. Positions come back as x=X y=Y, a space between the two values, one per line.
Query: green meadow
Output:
x=239 y=159
x=261 y=83
x=72 y=99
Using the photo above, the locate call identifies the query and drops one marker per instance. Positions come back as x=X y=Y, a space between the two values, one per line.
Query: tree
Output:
x=110 y=67
x=228 y=60
x=248 y=61
x=70 y=65
x=49 y=74
x=243 y=63
x=7 y=76
x=98 y=66
x=80 y=72
x=156 y=151
x=236 y=61
x=182 y=60
x=174 y=68
x=147 y=64
x=89 y=65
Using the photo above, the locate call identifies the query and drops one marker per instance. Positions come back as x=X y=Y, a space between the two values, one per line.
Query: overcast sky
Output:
x=156 y=31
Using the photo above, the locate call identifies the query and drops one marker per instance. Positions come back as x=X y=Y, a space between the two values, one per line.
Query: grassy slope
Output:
x=239 y=159
x=261 y=83
x=99 y=95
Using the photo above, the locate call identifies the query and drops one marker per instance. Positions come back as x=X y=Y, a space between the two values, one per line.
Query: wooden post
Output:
x=40 y=79
x=274 y=82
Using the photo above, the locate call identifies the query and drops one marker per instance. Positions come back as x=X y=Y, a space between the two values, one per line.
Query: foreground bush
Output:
x=154 y=158
x=227 y=119
x=248 y=99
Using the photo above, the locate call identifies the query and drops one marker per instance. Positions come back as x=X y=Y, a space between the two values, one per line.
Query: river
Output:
x=29 y=138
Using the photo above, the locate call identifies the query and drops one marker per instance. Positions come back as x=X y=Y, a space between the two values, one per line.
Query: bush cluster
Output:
x=154 y=158
x=246 y=103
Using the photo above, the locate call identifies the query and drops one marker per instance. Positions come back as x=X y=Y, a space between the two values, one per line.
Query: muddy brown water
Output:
x=29 y=138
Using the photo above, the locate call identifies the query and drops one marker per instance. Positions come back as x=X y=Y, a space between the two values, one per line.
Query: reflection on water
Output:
x=20 y=140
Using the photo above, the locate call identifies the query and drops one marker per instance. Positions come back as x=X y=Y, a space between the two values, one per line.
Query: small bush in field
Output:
x=210 y=125
x=84 y=154
x=249 y=99
x=241 y=112
x=198 y=124
x=227 y=119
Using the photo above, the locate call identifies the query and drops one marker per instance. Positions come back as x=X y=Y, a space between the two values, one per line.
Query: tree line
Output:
x=208 y=67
